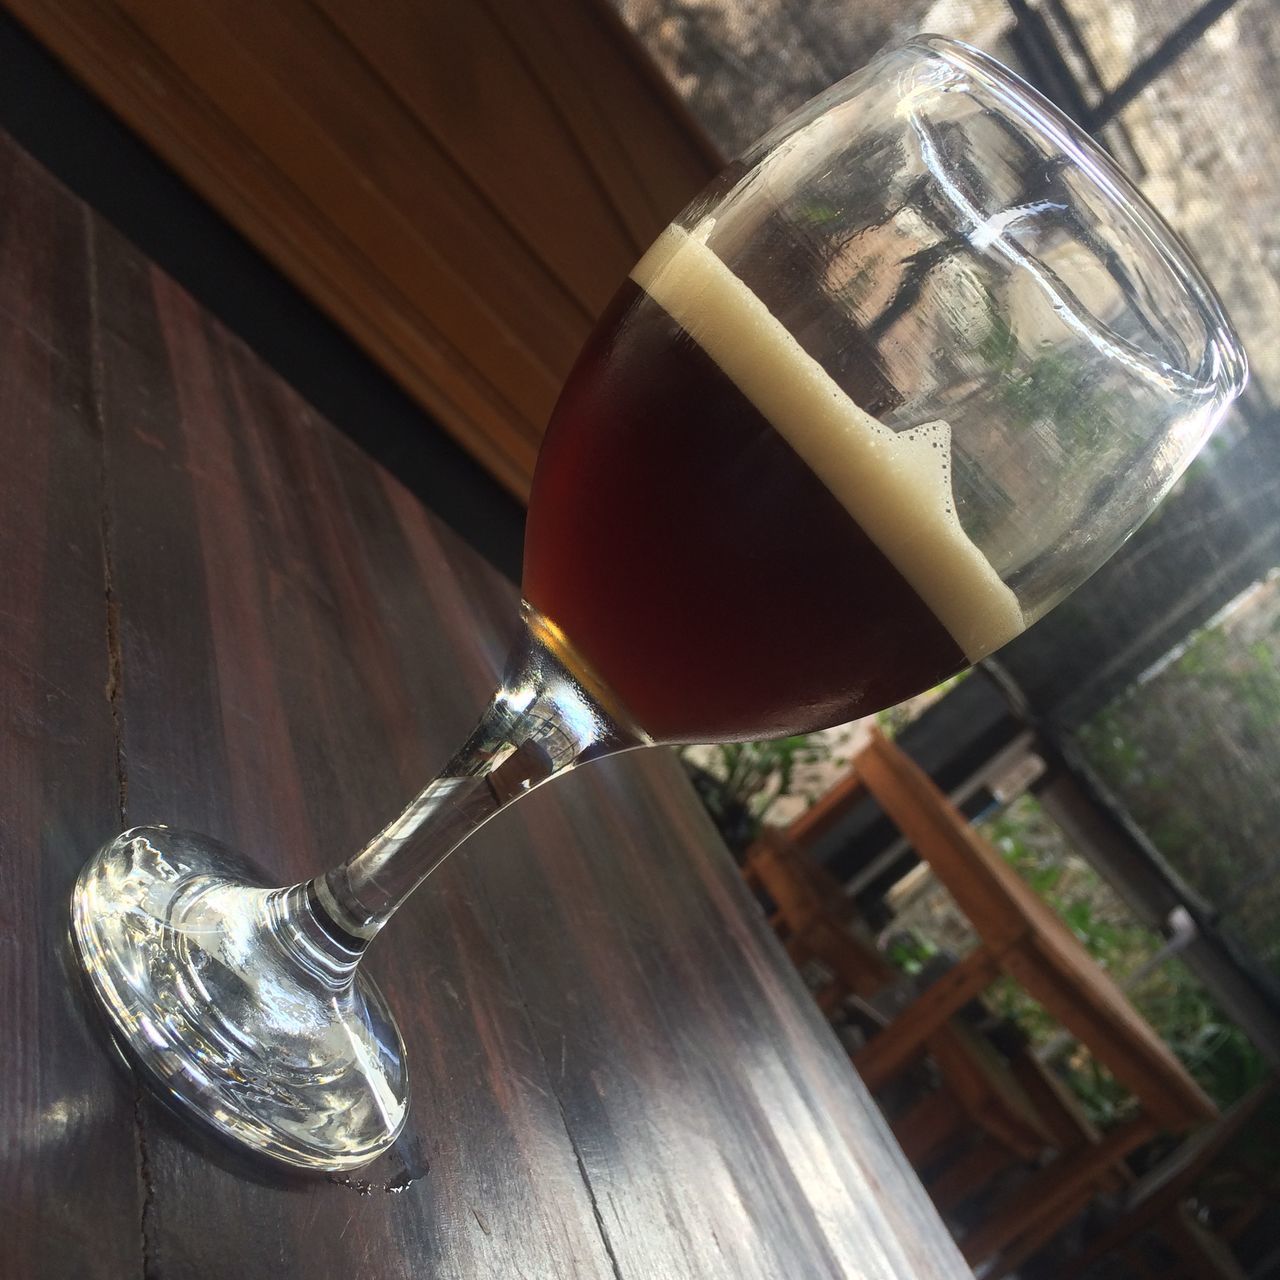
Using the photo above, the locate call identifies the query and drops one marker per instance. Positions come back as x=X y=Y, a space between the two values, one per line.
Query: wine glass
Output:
x=892 y=386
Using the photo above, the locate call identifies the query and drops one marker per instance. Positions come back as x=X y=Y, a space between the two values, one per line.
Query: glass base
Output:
x=237 y=1001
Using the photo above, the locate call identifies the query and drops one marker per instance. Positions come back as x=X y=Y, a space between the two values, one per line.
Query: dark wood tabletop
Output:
x=216 y=612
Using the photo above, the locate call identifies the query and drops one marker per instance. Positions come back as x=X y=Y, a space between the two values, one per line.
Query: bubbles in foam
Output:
x=895 y=484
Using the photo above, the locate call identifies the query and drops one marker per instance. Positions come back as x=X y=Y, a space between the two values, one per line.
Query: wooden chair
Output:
x=979 y=1090
x=812 y=918
x=1021 y=937
x=1160 y=1205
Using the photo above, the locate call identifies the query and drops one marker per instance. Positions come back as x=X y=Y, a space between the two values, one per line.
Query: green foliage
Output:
x=1033 y=845
x=910 y=952
x=998 y=347
x=1220 y=1056
x=756 y=774
x=1190 y=751
x=1054 y=385
x=820 y=212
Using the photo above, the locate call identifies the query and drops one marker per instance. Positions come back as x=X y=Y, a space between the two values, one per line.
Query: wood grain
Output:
x=219 y=614
x=461 y=186
x=66 y=1120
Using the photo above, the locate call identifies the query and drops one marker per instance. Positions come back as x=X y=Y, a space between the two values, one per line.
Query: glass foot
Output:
x=238 y=1000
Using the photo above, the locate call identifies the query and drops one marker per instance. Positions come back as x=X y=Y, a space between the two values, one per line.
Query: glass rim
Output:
x=1015 y=94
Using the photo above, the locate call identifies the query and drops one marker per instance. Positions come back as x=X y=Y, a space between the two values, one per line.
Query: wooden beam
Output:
x=460 y=187
x=905 y=1037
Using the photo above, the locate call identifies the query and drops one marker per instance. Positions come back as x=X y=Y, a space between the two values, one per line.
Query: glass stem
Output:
x=546 y=717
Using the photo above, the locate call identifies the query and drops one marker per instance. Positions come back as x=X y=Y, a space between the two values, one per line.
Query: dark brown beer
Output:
x=701 y=568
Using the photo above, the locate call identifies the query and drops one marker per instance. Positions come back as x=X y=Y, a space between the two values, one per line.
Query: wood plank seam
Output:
x=114 y=692
x=115 y=653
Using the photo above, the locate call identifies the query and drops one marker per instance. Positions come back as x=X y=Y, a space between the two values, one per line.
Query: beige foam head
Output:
x=895 y=484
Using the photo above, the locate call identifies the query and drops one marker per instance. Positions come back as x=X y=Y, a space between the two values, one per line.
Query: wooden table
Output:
x=215 y=612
